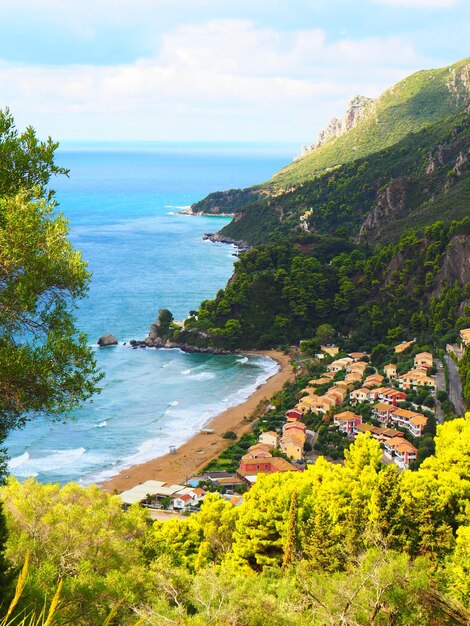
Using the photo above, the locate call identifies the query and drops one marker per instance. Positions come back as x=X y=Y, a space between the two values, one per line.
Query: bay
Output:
x=124 y=204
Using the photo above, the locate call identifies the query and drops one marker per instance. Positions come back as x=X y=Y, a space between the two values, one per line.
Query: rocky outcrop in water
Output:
x=218 y=238
x=107 y=340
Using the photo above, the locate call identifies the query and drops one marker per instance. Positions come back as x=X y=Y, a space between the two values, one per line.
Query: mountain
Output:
x=397 y=161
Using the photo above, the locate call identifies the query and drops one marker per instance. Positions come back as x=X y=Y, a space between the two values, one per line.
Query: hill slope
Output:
x=404 y=162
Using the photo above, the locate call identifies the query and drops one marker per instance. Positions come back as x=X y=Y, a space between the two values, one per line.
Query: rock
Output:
x=356 y=108
x=107 y=340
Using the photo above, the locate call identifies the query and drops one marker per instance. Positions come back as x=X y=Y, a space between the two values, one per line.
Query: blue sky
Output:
x=207 y=69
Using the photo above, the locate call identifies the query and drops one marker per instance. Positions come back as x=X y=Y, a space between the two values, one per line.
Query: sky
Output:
x=215 y=70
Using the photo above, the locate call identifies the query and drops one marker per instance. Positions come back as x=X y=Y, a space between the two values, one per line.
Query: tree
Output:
x=45 y=364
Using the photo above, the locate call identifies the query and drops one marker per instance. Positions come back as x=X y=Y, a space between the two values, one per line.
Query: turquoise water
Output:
x=123 y=203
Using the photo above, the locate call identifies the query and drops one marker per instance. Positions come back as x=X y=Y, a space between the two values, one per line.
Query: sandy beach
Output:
x=193 y=455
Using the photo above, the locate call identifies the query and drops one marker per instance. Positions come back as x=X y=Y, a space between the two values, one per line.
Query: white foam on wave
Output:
x=53 y=462
x=18 y=461
x=102 y=424
x=186 y=372
x=179 y=424
x=202 y=376
x=243 y=359
x=166 y=365
x=176 y=206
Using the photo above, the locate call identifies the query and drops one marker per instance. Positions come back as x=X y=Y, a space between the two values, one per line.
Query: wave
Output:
x=174 y=403
x=56 y=460
x=177 y=206
x=18 y=461
x=202 y=376
x=186 y=372
x=243 y=359
x=102 y=424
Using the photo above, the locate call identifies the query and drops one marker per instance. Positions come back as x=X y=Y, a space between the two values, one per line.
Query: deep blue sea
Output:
x=123 y=202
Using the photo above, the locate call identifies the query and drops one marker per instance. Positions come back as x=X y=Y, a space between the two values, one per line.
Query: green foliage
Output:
x=464 y=371
x=357 y=543
x=279 y=295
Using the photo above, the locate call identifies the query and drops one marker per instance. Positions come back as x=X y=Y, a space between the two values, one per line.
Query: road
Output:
x=440 y=386
x=455 y=386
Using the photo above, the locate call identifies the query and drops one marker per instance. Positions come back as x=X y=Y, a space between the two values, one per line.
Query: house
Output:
x=401 y=451
x=416 y=378
x=357 y=356
x=346 y=421
x=380 y=433
x=295 y=427
x=183 y=501
x=339 y=364
x=404 y=345
x=270 y=438
x=423 y=359
x=250 y=466
x=390 y=370
x=292 y=445
x=465 y=336
x=391 y=396
x=359 y=395
x=323 y=404
x=373 y=380
x=357 y=367
x=260 y=451
x=330 y=350
x=382 y=411
x=323 y=380
x=410 y=420
x=353 y=377
x=224 y=479
x=293 y=415
x=338 y=393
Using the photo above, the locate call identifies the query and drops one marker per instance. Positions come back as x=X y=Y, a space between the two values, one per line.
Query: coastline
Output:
x=198 y=451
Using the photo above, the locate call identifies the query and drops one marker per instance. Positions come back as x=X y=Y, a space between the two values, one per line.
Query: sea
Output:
x=124 y=203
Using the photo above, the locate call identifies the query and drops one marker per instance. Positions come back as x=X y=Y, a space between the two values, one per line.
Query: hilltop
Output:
x=397 y=161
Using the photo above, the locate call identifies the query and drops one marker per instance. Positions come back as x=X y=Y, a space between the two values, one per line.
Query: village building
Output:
x=410 y=420
x=374 y=380
x=359 y=395
x=401 y=347
x=381 y=433
x=346 y=421
x=339 y=364
x=423 y=359
x=390 y=370
x=465 y=336
x=382 y=411
x=401 y=451
x=416 y=378
x=330 y=350
x=293 y=415
x=357 y=356
x=270 y=438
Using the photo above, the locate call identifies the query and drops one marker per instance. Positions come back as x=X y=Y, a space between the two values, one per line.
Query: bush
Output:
x=229 y=435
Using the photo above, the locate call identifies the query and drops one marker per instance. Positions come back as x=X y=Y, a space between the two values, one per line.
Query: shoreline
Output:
x=201 y=448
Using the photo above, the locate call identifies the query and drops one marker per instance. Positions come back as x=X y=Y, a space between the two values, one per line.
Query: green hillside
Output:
x=404 y=164
x=417 y=101
x=422 y=178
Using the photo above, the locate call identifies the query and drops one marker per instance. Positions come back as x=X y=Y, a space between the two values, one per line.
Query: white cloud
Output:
x=221 y=79
x=419 y=4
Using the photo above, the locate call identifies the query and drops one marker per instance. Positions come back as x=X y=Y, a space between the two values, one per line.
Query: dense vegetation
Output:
x=282 y=293
x=352 y=544
x=46 y=365
x=405 y=164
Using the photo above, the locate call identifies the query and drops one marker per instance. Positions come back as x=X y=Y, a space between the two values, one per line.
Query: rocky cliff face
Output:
x=391 y=205
x=336 y=127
